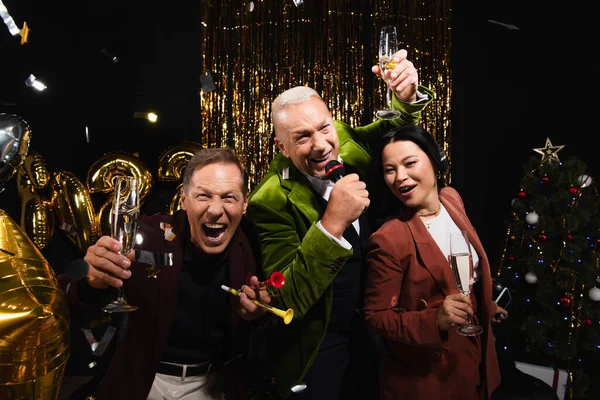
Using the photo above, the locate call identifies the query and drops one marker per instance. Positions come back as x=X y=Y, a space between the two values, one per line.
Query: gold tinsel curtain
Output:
x=254 y=50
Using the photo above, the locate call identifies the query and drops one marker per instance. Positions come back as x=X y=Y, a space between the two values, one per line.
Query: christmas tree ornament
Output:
x=584 y=180
x=498 y=286
x=517 y=205
x=532 y=218
x=545 y=179
x=587 y=322
x=573 y=190
x=542 y=237
x=522 y=194
x=511 y=258
x=531 y=278
x=549 y=152
x=565 y=301
x=594 y=294
x=569 y=237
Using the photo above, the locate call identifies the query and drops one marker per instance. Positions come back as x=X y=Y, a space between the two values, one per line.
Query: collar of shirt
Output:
x=322 y=186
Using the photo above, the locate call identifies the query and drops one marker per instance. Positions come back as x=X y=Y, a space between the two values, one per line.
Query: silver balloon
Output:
x=14 y=144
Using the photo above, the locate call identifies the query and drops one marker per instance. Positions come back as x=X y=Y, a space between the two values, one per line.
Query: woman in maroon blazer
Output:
x=412 y=301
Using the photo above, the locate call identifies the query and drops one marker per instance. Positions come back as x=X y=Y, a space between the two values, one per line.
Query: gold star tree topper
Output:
x=549 y=152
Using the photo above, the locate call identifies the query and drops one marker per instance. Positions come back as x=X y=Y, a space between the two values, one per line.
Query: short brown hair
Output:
x=204 y=157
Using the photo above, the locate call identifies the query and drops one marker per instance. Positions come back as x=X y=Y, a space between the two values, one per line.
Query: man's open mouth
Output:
x=214 y=232
x=321 y=159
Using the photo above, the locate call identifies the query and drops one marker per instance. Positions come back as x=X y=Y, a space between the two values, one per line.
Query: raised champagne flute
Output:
x=461 y=261
x=123 y=227
x=388 y=46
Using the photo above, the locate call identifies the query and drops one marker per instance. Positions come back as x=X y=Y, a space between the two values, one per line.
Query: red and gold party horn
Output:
x=276 y=281
x=287 y=315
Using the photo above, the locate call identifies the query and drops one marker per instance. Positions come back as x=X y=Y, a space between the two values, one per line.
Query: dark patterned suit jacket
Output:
x=134 y=364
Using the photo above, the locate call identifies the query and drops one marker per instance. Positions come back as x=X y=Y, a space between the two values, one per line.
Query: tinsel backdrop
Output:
x=331 y=45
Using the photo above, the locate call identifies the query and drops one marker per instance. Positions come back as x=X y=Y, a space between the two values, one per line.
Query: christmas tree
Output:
x=550 y=264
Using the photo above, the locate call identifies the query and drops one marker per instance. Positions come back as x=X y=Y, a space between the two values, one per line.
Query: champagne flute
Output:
x=388 y=46
x=461 y=261
x=123 y=227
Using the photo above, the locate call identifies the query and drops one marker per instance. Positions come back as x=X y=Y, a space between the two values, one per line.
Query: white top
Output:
x=440 y=228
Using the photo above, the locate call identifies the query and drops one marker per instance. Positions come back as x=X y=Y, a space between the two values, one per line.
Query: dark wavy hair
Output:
x=388 y=203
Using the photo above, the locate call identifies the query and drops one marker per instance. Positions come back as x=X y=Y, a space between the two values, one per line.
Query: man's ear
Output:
x=182 y=199
x=245 y=205
x=281 y=146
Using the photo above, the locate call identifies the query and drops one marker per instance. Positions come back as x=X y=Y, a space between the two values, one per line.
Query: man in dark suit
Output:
x=186 y=340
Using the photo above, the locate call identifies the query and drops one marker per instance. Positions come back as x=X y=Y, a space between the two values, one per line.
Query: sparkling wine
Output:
x=386 y=62
x=124 y=228
x=462 y=269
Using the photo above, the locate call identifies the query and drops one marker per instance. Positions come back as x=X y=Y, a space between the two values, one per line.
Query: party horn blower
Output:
x=287 y=315
x=276 y=281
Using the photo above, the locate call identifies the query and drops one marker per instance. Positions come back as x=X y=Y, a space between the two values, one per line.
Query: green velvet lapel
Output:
x=300 y=193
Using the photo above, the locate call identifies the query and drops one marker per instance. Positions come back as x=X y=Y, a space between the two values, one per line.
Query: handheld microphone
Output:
x=77 y=269
x=334 y=170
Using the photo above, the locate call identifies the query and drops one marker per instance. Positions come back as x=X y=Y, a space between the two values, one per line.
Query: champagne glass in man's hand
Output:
x=461 y=261
x=123 y=227
x=388 y=46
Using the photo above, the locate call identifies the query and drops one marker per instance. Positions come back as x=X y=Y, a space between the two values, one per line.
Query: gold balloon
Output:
x=171 y=164
x=36 y=169
x=74 y=209
x=173 y=160
x=37 y=215
x=175 y=203
x=101 y=176
x=37 y=219
x=34 y=320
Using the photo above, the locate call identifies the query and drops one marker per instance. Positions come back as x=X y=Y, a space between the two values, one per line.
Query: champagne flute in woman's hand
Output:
x=461 y=261
x=388 y=46
x=123 y=227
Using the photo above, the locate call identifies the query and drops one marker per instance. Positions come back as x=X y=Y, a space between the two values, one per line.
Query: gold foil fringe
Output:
x=330 y=46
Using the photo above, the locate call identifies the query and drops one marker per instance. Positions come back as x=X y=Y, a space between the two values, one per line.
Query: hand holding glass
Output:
x=123 y=227
x=461 y=261
x=388 y=46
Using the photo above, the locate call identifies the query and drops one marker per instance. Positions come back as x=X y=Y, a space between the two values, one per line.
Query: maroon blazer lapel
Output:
x=460 y=218
x=432 y=257
x=456 y=210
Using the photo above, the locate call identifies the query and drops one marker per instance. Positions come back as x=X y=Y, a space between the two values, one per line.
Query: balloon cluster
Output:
x=61 y=199
x=37 y=217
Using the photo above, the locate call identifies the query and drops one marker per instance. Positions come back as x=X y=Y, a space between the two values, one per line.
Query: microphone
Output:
x=334 y=170
x=77 y=269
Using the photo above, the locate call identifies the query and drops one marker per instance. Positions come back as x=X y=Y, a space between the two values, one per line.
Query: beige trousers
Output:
x=168 y=387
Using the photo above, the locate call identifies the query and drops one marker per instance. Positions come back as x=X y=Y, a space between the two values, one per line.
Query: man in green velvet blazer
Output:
x=303 y=237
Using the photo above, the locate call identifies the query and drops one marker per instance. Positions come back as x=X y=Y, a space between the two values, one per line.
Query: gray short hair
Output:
x=292 y=97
